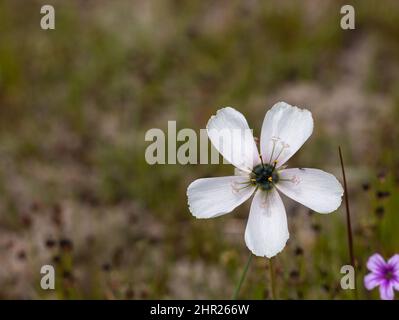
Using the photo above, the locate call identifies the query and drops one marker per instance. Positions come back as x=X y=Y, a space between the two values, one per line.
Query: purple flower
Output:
x=383 y=274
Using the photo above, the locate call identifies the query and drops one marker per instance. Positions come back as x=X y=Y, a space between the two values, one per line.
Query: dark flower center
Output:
x=389 y=275
x=264 y=176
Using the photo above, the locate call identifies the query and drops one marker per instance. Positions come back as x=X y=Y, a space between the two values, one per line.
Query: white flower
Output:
x=285 y=129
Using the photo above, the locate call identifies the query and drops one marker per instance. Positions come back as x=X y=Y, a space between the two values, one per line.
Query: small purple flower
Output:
x=383 y=274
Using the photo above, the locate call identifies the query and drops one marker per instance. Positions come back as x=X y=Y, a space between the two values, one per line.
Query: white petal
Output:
x=316 y=189
x=230 y=134
x=212 y=197
x=285 y=129
x=267 y=231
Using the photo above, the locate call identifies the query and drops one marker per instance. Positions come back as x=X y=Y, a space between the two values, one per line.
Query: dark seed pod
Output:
x=382 y=194
x=316 y=227
x=106 y=267
x=326 y=287
x=294 y=274
x=66 y=244
x=21 y=255
x=298 y=251
x=50 y=243
x=379 y=211
x=56 y=259
x=366 y=186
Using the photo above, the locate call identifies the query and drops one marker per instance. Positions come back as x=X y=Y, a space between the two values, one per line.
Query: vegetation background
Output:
x=75 y=103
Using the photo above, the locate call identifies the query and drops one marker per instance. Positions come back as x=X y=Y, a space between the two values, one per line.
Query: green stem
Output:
x=240 y=282
x=348 y=220
x=272 y=279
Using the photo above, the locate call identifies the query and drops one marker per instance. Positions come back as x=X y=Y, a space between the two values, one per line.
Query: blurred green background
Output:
x=75 y=103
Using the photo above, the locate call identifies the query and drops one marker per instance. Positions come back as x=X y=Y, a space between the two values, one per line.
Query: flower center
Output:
x=264 y=176
x=389 y=275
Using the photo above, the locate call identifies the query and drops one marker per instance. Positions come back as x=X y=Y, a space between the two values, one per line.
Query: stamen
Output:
x=283 y=147
x=295 y=180
x=261 y=160
x=274 y=164
x=238 y=186
x=243 y=165
x=274 y=140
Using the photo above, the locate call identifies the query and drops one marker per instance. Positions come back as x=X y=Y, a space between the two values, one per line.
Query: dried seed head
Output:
x=382 y=194
x=298 y=251
x=56 y=259
x=50 y=243
x=106 y=267
x=379 y=211
x=366 y=186
x=316 y=227
x=66 y=244
x=21 y=254
x=294 y=274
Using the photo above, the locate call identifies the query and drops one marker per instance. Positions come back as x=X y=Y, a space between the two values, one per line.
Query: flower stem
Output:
x=348 y=220
x=272 y=279
x=240 y=282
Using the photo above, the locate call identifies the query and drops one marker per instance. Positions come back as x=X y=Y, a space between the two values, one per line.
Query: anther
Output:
x=295 y=180
x=274 y=164
x=283 y=147
x=235 y=187
x=238 y=186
